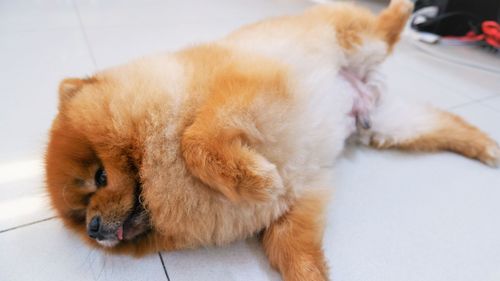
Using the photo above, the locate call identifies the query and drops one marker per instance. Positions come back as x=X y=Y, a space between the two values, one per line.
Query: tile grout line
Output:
x=85 y=37
x=451 y=61
x=457 y=91
x=163 y=265
x=483 y=102
x=462 y=104
x=479 y=101
x=26 y=224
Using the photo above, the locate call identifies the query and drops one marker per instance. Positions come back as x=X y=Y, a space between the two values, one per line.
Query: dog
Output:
x=225 y=140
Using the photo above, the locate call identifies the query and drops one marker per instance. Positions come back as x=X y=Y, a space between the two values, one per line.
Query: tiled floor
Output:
x=395 y=216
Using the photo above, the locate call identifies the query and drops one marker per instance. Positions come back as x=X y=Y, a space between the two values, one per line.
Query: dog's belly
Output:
x=303 y=143
x=303 y=147
x=315 y=130
x=302 y=138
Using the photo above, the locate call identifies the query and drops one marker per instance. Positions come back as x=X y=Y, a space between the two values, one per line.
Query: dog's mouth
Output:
x=136 y=223
x=134 y=226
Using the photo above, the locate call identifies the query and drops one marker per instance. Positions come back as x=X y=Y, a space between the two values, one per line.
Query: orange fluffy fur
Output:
x=198 y=140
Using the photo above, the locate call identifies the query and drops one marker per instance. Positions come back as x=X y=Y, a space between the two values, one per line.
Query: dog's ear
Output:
x=69 y=87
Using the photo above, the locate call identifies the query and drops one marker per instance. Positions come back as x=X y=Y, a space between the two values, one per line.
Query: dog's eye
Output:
x=100 y=178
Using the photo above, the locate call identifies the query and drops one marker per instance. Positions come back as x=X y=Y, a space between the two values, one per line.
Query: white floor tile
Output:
x=243 y=260
x=131 y=31
x=47 y=251
x=159 y=13
x=466 y=81
x=29 y=15
x=32 y=65
x=23 y=199
x=118 y=45
x=404 y=216
x=407 y=82
x=493 y=103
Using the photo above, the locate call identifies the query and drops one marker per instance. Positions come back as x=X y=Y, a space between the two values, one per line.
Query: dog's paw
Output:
x=379 y=141
x=491 y=155
x=260 y=181
x=240 y=174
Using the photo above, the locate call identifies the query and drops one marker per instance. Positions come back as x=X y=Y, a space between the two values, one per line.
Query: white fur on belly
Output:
x=316 y=129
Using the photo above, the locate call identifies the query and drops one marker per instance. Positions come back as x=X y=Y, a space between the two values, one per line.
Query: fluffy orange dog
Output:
x=221 y=141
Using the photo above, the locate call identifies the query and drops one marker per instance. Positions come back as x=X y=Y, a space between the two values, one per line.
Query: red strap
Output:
x=491 y=31
x=468 y=37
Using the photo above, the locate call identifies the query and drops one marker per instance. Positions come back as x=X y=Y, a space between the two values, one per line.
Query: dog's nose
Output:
x=94 y=226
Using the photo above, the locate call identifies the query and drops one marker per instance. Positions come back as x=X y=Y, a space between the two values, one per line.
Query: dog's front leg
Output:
x=219 y=153
x=293 y=243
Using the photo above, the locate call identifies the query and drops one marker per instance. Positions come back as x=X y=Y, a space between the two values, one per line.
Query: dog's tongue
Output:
x=119 y=233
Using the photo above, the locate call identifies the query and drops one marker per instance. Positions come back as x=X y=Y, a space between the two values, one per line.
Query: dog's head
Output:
x=92 y=164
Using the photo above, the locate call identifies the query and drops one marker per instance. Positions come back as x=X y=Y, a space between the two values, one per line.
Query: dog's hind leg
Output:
x=354 y=25
x=391 y=21
x=415 y=127
x=293 y=243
